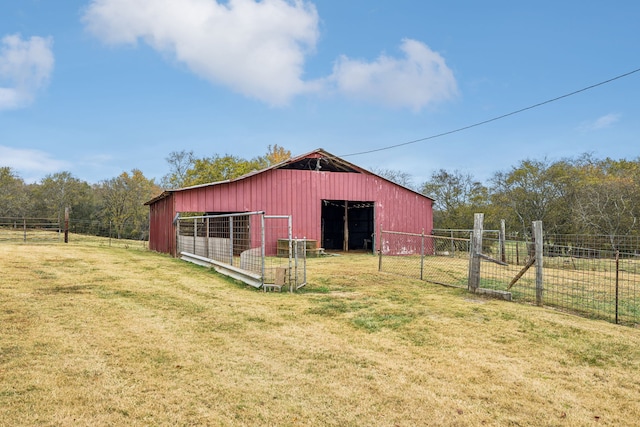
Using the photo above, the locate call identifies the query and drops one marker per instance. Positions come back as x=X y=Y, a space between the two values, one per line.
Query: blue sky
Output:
x=99 y=87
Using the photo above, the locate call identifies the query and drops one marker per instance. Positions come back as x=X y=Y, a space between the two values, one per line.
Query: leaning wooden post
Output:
x=476 y=248
x=538 y=242
x=66 y=225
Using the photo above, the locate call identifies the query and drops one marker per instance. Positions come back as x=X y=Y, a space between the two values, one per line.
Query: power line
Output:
x=484 y=122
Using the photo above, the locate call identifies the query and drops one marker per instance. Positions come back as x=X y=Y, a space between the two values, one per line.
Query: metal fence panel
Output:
x=252 y=247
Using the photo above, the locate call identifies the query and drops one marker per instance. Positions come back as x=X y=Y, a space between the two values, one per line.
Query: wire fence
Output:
x=52 y=230
x=595 y=283
x=579 y=276
x=436 y=259
x=30 y=229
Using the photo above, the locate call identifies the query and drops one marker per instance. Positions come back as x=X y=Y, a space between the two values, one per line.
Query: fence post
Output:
x=617 y=283
x=206 y=237
x=195 y=234
x=231 y=240
x=290 y=236
x=503 y=238
x=66 y=225
x=380 y=250
x=538 y=242
x=177 y=248
x=453 y=246
x=263 y=250
x=476 y=247
x=24 y=230
x=422 y=255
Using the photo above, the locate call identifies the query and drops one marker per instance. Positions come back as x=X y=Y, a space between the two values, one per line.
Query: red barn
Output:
x=332 y=201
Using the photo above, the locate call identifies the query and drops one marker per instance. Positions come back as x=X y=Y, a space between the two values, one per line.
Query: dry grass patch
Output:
x=92 y=335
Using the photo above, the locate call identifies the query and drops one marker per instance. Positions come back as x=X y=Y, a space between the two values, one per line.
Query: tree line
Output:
x=582 y=195
x=115 y=206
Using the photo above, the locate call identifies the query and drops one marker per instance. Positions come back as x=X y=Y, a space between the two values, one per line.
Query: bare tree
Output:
x=180 y=162
x=607 y=207
x=399 y=177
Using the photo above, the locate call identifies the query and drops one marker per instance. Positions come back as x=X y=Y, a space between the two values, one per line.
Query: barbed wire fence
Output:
x=592 y=276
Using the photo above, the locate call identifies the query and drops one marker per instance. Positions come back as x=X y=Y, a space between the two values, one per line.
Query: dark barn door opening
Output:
x=347 y=225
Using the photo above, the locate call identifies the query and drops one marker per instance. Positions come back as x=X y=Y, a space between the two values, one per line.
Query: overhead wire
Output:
x=484 y=122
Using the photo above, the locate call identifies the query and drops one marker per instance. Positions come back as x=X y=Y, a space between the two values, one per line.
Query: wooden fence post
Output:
x=66 y=225
x=380 y=249
x=503 y=238
x=538 y=242
x=422 y=249
x=617 y=283
x=476 y=248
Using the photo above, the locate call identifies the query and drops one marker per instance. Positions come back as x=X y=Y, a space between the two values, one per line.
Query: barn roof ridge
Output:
x=331 y=162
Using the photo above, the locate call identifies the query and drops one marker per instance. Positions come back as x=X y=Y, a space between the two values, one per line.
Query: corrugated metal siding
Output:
x=300 y=194
x=161 y=229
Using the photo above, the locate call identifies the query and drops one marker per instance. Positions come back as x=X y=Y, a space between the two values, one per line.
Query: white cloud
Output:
x=29 y=162
x=601 y=122
x=256 y=48
x=419 y=79
x=25 y=68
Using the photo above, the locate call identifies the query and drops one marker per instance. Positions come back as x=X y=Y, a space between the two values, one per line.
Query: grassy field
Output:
x=98 y=335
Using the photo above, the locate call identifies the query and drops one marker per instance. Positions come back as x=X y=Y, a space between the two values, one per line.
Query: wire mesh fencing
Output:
x=578 y=274
x=436 y=259
x=252 y=247
x=588 y=281
x=103 y=233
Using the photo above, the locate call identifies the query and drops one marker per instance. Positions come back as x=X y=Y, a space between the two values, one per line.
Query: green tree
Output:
x=276 y=154
x=218 y=168
x=122 y=203
x=15 y=200
x=221 y=168
x=62 y=190
x=607 y=198
x=534 y=190
x=457 y=196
